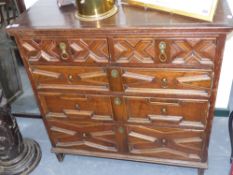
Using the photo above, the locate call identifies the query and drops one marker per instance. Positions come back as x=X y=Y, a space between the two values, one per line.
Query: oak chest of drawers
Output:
x=140 y=85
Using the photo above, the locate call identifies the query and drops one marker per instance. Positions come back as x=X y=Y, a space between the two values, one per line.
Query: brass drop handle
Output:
x=64 y=54
x=162 y=55
x=114 y=73
x=164 y=82
x=117 y=101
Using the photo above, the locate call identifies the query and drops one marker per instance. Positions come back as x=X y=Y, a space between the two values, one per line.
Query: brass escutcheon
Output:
x=117 y=101
x=114 y=73
x=121 y=130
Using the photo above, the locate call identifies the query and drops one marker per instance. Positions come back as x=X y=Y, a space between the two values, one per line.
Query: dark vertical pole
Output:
x=17 y=155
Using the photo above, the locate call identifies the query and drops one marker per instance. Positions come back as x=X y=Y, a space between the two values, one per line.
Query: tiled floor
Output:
x=219 y=152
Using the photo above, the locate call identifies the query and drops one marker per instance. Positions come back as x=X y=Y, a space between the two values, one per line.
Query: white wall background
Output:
x=226 y=77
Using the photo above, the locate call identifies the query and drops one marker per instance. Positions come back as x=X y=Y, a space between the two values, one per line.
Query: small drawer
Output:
x=165 y=143
x=71 y=107
x=180 y=113
x=70 y=78
x=180 y=51
x=52 y=51
x=84 y=136
x=168 y=82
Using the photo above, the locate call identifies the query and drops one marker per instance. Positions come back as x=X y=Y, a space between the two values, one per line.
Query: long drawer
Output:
x=168 y=143
x=186 y=113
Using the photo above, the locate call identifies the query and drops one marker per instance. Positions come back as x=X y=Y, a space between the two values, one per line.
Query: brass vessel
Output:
x=91 y=10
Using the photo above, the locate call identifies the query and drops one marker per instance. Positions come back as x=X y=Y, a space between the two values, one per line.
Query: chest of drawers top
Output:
x=45 y=15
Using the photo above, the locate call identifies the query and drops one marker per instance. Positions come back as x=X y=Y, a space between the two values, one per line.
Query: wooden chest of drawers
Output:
x=140 y=85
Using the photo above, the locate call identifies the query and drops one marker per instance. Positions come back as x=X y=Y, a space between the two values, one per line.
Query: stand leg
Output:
x=60 y=157
x=231 y=134
x=200 y=171
x=17 y=155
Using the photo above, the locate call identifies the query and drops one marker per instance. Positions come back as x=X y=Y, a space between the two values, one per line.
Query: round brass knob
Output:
x=164 y=141
x=164 y=110
x=84 y=135
x=114 y=73
x=121 y=130
x=164 y=82
x=70 y=77
x=117 y=101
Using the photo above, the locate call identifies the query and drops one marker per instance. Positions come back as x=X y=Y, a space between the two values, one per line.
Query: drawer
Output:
x=165 y=143
x=168 y=82
x=84 y=136
x=71 y=107
x=65 y=50
x=70 y=78
x=178 y=51
x=183 y=113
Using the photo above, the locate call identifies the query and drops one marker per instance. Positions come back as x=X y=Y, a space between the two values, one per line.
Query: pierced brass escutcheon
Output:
x=114 y=73
x=121 y=130
x=64 y=54
x=117 y=101
x=162 y=55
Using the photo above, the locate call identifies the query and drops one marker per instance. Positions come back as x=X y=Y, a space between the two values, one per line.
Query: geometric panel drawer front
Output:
x=75 y=107
x=189 y=51
x=182 y=82
x=50 y=51
x=70 y=77
x=182 y=113
x=86 y=136
x=168 y=143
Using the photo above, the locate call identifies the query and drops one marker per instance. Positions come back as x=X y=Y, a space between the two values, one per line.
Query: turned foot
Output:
x=60 y=157
x=200 y=171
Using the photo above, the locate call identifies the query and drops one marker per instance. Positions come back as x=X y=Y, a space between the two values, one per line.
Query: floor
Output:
x=219 y=152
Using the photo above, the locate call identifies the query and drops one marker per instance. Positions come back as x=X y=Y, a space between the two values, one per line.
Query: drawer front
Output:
x=176 y=82
x=167 y=143
x=188 y=51
x=185 y=113
x=51 y=51
x=70 y=78
x=84 y=136
x=71 y=107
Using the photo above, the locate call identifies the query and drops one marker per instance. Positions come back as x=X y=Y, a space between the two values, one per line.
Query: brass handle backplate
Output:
x=64 y=54
x=162 y=55
x=114 y=73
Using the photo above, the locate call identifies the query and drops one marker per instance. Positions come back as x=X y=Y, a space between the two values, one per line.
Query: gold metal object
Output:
x=164 y=141
x=162 y=55
x=117 y=101
x=70 y=77
x=92 y=10
x=164 y=82
x=121 y=130
x=164 y=110
x=64 y=54
x=114 y=73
